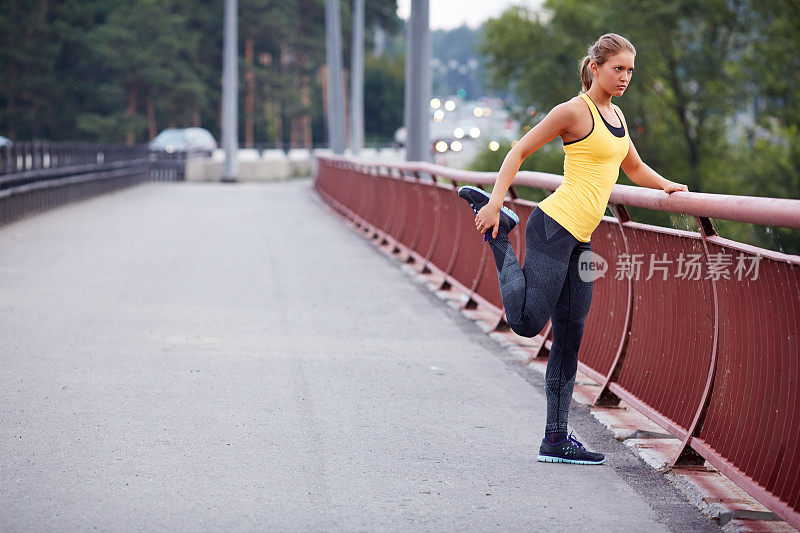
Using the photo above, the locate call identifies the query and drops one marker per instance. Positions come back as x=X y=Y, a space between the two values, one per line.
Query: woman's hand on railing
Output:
x=488 y=217
x=671 y=186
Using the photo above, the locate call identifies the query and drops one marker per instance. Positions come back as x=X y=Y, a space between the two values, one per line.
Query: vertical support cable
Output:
x=418 y=83
x=357 y=80
x=333 y=52
x=230 y=90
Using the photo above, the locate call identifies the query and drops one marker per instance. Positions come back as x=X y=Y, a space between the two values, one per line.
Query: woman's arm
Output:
x=641 y=174
x=557 y=121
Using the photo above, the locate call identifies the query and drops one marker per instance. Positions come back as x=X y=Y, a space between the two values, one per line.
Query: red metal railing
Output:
x=715 y=360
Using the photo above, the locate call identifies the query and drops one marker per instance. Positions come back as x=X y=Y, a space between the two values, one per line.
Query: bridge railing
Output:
x=707 y=344
x=42 y=155
x=36 y=176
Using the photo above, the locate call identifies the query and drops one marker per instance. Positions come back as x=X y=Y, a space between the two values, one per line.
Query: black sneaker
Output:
x=478 y=198
x=568 y=450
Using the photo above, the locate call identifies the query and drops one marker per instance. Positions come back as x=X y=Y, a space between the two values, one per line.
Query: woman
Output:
x=558 y=231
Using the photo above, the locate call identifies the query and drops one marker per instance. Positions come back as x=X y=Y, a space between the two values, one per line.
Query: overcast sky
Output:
x=448 y=14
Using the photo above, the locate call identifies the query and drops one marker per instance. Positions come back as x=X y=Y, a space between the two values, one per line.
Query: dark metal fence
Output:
x=35 y=176
x=713 y=356
x=167 y=167
x=40 y=155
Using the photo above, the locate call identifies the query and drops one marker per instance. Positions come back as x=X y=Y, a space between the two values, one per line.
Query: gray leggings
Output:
x=548 y=285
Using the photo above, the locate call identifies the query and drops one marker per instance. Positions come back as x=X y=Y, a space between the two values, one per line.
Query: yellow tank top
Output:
x=591 y=167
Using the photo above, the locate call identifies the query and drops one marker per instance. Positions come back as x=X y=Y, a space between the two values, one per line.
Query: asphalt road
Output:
x=197 y=357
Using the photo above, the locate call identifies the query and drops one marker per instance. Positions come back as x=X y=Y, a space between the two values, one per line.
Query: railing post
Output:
x=605 y=396
x=686 y=455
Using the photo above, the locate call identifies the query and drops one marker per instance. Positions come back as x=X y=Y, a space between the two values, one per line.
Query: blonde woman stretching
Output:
x=558 y=231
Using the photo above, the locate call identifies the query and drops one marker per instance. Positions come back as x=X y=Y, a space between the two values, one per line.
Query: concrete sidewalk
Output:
x=205 y=357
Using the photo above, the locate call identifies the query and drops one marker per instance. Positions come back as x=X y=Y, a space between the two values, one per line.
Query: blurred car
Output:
x=5 y=142
x=189 y=140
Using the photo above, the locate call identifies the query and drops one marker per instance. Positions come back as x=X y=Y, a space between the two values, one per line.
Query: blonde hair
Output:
x=605 y=47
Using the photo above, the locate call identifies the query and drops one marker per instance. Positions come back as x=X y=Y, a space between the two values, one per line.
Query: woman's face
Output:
x=615 y=74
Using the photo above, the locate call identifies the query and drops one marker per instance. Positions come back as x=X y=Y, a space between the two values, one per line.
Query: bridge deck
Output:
x=208 y=356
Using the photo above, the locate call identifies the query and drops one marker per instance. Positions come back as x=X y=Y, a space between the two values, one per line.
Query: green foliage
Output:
x=383 y=97
x=114 y=126
x=766 y=166
x=147 y=47
x=28 y=55
x=771 y=59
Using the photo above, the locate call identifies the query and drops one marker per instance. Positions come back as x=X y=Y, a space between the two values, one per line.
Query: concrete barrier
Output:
x=275 y=164
x=249 y=169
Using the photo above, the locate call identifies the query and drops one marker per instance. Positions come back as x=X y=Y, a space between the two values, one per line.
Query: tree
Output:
x=112 y=70
x=27 y=53
x=266 y=28
x=146 y=46
x=384 y=89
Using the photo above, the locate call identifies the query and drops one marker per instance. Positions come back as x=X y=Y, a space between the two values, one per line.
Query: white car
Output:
x=190 y=140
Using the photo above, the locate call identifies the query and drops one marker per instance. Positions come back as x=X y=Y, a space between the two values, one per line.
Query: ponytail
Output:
x=586 y=73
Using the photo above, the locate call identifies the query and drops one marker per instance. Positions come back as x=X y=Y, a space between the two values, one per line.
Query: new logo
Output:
x=591 y=266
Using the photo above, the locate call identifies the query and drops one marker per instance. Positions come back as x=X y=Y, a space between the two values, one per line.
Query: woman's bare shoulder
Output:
x=571 y=109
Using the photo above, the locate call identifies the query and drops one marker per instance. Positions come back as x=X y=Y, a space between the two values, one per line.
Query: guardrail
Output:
x=711 y=355
x=38 y=176
x=42 y=155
